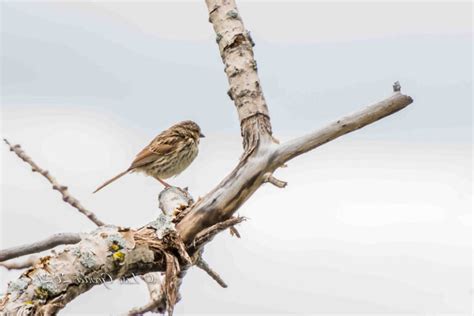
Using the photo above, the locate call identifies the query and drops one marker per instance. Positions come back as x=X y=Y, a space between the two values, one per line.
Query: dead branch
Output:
x=207 y=234
x=350 y=123
x=262 y=155
x=38 y=246
x=63 y=190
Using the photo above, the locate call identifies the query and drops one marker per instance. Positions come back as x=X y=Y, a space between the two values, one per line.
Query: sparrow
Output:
x=167 y=155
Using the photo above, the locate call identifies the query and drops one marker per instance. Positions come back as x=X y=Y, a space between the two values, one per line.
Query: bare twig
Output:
x=67 y=197
x=234 y=232
x=207 y=234
x=48 y=243
x=18 y=265
x=268 y=177
x=203 y=265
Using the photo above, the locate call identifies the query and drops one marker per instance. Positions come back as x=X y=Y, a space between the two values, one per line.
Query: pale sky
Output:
x=378 y=221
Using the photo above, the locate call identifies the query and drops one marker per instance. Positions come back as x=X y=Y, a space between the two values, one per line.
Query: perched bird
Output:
x=168 y=154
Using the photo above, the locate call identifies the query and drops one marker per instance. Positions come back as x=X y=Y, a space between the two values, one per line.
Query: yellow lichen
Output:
x=115 y=247
x=118 y=256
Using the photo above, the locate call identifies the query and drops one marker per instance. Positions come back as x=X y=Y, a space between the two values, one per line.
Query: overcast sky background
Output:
x=378 y=221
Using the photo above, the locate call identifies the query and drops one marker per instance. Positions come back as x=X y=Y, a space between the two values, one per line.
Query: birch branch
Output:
x=235 y=46
x=38 y=246
x=63 y=190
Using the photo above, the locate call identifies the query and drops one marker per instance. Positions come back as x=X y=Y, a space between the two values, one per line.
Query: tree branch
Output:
x=67 y=197
x=262 y=155
x=48 y=243
x=203 y=265
x=106 y=254
x=235 y=46
x=350 y=123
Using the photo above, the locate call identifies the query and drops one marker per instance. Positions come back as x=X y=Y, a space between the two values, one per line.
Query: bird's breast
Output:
x=170 y=165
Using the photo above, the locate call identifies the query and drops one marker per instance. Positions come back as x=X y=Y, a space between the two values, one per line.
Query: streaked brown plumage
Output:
x=168 y=154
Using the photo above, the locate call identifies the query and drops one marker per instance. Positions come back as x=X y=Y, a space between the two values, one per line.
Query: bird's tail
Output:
x=112 y=180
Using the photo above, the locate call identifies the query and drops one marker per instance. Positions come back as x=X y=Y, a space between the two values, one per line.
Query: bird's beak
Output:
x=201 y=135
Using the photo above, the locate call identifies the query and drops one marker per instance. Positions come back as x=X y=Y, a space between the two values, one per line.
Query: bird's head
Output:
x=190 y=129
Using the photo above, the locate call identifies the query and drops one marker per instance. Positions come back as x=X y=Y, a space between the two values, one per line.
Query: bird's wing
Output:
x=150 y=153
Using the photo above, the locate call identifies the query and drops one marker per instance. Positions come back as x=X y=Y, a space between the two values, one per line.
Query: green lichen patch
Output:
x=162 y=224
x=45 y=285
x=86 y=257
x=17 y=285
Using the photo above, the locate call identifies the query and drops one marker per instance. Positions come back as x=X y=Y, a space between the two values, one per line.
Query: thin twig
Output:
x=67 y=197
x=208 y=233
x=234 y=232
x=203 y=265
x=48 y=243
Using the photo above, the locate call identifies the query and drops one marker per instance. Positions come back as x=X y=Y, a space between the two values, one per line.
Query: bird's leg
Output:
x=162 y=182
